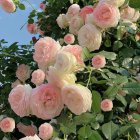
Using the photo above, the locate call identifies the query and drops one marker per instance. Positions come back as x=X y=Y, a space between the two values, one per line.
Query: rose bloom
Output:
x=29 y=130
x=106 y=105
x=41 y=32
x=59 y=80
x=23 y=72
x=46 y=102
x=65 y=62
x=117 y=3
x=98 y=61
x=7 y=124
x=45 y=131
x=76 y=23
x=89 y=19
x=14 y=84
x=76 y=50
x=35 y=137
x=77 y=98
x=89 y=36
x=62 y=21
x=19 y=99
x=86 y=10
x=106 y=15
x=69 y=39
x=130 y=14
x=8 y=6
x=42 y=6
x=73 y=10
x=45 y=51
x=38 y=77
x=32 y=28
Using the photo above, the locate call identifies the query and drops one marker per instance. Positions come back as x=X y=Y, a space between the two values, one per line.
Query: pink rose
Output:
x=23 y=72
x=106 y=105
x=42 y=6
x=130 y=14
x=41 y=32
x=106 y=15
x=76 y=50
x=16 y=83
x=8 y=6
x=77 y=98
x=59 y=80
x=73 y=10
x=45 y=51
x=98 y=61
x=45 y=131
x=35 y=137
x=69 y=39
x=7 y=124
x=86 y=10
x=29 y=130
x=38 y=77
x=46 y=102
x=19 y=99
x=32 y=28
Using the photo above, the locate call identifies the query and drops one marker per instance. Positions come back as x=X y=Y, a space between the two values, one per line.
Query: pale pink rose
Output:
x=86 y=10
x=76 y=50
x=62 y=21
x=73 y=10
x=90 y=37
x=130 y=14
x=45 y=131
x=27 y=130
x=77 y=98
x=8 y=6
x=23 y=72
x=42 y=6
x=46 y=102
x=69 y=39
x=35 y=137
x=46 y=50
x=65 y=63
x=19 y=99
x=32 y=28
x=89 y=19
x=38 y=77
x=75 y=24
x=7 y=124
x=98 y=61
x=106 y=105
x=14 y=84
x=117 y=3
x=59 y=80
x=106 y=15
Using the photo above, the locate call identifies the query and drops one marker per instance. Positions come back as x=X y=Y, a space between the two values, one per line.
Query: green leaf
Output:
x=132 y=88
x=121 y=99
x=85 y=131
x=134 y=4
x=95 y=136
x=120 y=80
x=21 y=6
x=110 y=130
x=133 y=105
x=96 y=98
x=108 y=55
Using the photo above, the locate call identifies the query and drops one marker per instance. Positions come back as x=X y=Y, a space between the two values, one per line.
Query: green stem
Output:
x=31 y=5
x=89 y=78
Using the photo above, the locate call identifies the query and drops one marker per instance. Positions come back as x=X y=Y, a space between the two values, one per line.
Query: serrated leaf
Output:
x=109 y=55
x=121 y=99
x=95 y=136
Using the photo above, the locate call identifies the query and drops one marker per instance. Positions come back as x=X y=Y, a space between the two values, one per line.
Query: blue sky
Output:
x=10 y=24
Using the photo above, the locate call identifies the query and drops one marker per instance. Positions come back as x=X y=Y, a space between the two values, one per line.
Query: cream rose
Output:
x=35 y=137
x=62 y=21
x=130 y=14
x=77 y=98
x=46 y=102
x=75 y=24
x=19 y=99
x=106 y=15
x=89 y=36
x=106 y=105
x=65 y=63
x=45 y=131
x=59 y=80
x=7 y=124
x=23 y=72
